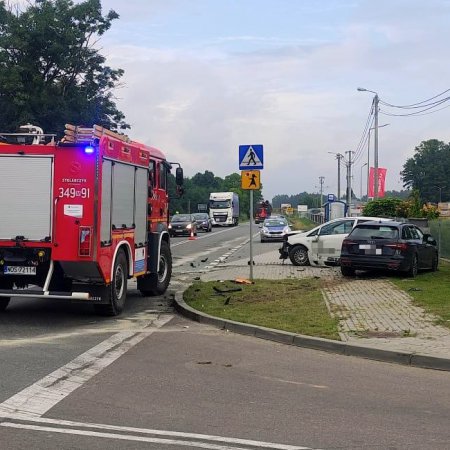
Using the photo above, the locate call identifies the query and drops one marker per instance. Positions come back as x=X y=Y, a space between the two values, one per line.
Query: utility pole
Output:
x=339 y=157
x=375 y=160
x=375 y=102
x=349 y=180
x=368 y=164
x=321 y=181
x=361 y=191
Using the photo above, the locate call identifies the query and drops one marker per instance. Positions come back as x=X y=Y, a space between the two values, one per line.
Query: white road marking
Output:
x=184 y=439
x=207 y=235
x=37 y=399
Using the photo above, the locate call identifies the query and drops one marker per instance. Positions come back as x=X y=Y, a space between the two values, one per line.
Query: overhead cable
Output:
x=418 y=103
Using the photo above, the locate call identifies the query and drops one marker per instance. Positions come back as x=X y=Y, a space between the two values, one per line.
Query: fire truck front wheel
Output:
x=116 y=292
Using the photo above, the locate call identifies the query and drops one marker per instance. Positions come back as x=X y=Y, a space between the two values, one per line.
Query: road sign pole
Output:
x=251 y=235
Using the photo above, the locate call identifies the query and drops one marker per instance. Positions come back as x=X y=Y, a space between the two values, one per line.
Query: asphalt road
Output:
x=151 y=379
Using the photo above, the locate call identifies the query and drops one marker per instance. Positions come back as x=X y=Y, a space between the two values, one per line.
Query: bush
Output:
x=383 y=207
x=394 y=207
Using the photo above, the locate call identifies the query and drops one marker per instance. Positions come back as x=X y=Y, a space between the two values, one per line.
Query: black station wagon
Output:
x=395 y=246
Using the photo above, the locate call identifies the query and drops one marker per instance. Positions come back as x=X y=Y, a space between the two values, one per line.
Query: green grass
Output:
x=431 y=291
x=290 y=305
x=301 y=223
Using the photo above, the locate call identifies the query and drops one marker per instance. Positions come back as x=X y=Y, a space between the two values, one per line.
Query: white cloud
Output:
x=298 y=98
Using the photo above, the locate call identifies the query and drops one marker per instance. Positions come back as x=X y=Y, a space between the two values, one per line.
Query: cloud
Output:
x=294 y=94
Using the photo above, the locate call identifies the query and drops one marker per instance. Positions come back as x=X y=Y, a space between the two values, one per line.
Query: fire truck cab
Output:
x=81 y=216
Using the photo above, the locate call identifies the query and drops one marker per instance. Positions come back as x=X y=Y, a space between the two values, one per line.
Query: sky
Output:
x=205 y=76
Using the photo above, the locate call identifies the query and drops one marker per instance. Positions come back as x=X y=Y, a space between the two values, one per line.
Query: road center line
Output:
x=137 y=434
x=37 y=399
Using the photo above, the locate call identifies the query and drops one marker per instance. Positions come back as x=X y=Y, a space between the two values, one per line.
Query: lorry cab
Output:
x=224 y=208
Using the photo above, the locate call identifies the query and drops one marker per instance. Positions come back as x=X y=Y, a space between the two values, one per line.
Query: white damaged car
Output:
x=320 y=246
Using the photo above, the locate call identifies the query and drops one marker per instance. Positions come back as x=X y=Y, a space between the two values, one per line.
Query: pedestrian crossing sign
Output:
x=251 y=157
x=251 y=179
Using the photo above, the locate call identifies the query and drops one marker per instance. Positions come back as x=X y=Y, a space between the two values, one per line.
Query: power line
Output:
x=432 y=104
x=369 y=122
x=416 y=113
x=418 y=103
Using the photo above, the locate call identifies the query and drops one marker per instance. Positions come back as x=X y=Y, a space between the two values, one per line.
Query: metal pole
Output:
x=349 y=181
x=439 y=237
x=251 y=235
x=375 y=160
x=361 y=190
x=321 y=180
x=339 y=157
x=368 y=163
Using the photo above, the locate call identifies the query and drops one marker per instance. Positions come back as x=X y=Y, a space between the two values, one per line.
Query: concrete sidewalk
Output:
x=373 y=313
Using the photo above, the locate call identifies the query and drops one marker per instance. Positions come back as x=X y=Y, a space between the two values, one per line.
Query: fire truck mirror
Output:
x=179 y=176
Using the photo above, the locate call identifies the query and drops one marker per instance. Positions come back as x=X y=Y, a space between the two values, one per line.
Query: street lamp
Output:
x=368 y=155
x=375 y=159
x=360 y=193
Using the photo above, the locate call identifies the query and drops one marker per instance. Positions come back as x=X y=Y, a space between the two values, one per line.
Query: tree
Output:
x=312 y=200
x=50 y=70
x=198 y=188
x=427 y=171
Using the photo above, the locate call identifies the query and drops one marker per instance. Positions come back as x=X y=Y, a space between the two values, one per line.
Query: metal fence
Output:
x=440 y=230
x=316 y=218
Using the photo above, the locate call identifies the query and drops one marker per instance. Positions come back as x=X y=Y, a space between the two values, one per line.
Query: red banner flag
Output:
x=381 y=181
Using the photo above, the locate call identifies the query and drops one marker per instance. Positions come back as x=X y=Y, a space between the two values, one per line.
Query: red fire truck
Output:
x=82 y=215
x=263 y=211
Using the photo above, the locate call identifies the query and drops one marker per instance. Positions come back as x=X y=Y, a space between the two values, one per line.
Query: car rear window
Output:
x=374 y=232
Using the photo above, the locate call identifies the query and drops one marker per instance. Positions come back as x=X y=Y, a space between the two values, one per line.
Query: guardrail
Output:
x=316 y=218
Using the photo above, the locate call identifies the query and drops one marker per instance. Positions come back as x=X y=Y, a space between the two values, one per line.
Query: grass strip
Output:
x=431 y=291
x=301 y=223
x=290 y=305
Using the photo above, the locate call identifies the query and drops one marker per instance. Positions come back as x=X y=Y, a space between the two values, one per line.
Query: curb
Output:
x=315 y=343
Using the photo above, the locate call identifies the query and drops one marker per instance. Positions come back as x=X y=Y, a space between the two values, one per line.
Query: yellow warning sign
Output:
x=251 y=179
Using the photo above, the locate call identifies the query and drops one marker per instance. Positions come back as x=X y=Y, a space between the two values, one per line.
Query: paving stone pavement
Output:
x=372 y=312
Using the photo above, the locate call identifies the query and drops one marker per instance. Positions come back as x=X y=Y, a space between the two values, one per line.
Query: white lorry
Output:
x=224 y=208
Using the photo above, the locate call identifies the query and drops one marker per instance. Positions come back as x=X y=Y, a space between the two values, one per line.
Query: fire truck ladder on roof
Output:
x=77 y=134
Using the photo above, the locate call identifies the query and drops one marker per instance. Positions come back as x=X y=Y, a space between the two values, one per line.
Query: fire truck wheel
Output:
x=157 y=284
x=117 y=290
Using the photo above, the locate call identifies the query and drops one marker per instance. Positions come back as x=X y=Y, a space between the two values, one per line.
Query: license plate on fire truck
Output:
x=19 y=270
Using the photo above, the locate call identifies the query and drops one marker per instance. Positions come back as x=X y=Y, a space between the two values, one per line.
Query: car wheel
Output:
x=4 y=301
x=435 y=263
x=413 y=268
x=347 y=271
x=299 y=256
